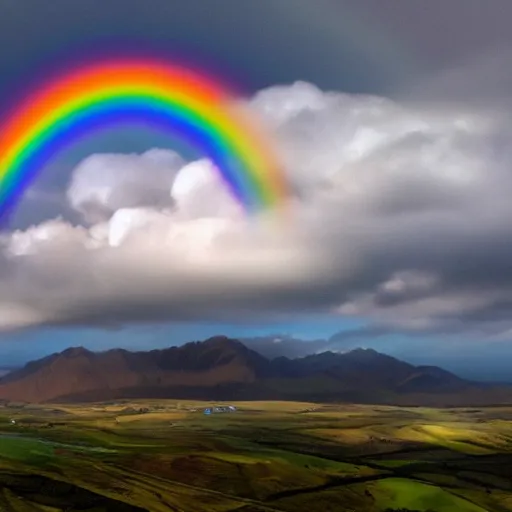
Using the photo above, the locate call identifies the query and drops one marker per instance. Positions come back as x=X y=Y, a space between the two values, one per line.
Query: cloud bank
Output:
x=401 y=215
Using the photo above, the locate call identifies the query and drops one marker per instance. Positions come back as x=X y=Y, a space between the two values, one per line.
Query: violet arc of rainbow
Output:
x=185 y=104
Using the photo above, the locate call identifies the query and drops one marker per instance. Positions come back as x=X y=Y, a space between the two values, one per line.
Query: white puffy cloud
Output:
x=104 y=183
x=198 y=191
x=401 y=215
x=155 y=269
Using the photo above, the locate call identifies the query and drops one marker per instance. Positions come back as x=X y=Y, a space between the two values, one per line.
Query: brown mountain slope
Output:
x=79 y=371
x=221 y=368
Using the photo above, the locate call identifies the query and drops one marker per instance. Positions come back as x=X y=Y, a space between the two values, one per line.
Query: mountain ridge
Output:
x=224 y=368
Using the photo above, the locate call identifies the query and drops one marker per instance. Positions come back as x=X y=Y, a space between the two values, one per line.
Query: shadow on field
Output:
x=43 y=491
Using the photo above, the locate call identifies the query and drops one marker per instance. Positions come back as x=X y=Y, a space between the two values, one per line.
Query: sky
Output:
x=392 y=120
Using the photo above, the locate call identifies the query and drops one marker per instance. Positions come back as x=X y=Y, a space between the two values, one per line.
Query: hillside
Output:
x=224 y=369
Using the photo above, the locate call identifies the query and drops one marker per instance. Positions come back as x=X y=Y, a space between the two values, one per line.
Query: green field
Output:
x=266 y=456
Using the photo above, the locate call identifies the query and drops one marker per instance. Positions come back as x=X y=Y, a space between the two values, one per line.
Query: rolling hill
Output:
x=225 y=369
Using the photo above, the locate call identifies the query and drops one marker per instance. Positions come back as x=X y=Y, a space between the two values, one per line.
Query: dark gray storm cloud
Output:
x=256 y=43
x=371 y=45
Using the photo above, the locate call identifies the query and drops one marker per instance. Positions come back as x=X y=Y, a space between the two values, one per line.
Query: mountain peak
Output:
x=222 y=341
x=369 y=355
x=76 y=352
x=362 y=350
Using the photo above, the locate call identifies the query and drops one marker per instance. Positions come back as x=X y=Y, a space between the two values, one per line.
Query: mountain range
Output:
x=221 y=368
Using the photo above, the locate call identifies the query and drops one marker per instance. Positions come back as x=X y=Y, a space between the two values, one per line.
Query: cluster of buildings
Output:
x=219 y=408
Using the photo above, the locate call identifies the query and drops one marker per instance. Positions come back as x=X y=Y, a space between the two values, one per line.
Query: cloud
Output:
x=199 y=192
x=401 y=216
x=483 y=79
x=103 y=184
x=144 y=266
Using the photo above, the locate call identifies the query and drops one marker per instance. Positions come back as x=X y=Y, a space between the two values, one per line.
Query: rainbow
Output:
x=200 y=110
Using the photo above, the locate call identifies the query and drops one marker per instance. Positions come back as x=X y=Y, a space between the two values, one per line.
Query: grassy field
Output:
x=266 y=456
